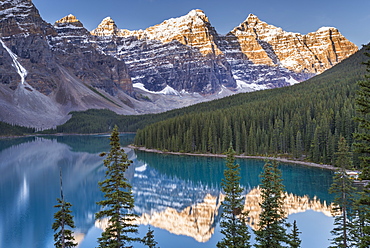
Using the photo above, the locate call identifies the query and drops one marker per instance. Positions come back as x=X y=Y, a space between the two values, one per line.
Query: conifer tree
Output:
x=271 y=230
x=149 y=240
x=233 y=223
x=342 y=188
x=356 y=232
x=363 y=117
x=119 y=201
x=294 y=240
x=63 y=236
x=363 y=147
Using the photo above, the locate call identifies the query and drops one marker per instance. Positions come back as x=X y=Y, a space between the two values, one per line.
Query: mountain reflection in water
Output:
x=198 y=221
x=180 y=194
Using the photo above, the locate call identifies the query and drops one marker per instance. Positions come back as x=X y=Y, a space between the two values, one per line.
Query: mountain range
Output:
x=48 y=70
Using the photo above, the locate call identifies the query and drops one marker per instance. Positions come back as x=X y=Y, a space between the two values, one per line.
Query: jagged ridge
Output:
x=260 y=55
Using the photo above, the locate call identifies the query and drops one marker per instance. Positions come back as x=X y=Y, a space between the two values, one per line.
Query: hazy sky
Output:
x=351 y=17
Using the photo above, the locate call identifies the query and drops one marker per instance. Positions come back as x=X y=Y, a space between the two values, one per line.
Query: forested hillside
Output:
x=14 y=130
x=304 y=120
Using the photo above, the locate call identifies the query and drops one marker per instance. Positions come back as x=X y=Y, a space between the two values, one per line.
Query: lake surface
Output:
x=178 y=196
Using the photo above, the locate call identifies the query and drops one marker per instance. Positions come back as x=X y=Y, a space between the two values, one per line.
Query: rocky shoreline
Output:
x=284 y=160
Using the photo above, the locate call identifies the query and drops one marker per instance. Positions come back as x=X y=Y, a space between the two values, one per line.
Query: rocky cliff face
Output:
x=49 y=71
x=19 y=17
x=312 y=53
x=74 y=47
x=253 y=56
x=179 y=54
x=193 y=29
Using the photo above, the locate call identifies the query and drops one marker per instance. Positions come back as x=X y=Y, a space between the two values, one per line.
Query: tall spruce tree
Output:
x=294 y=240
x=363 y=109
x=356 y=231
x=149 y=240
x=233 y=223
x=119 y=201
x=63 y=236
x=271 y=230
x=363 y=147
x=344 y=192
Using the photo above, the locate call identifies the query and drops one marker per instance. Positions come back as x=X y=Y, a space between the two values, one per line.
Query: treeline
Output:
x=14 y=130
x=102 y=120
x=304 y=120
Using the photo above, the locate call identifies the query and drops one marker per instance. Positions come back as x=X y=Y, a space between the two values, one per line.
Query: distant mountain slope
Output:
x=339 y=81
x=45 y=75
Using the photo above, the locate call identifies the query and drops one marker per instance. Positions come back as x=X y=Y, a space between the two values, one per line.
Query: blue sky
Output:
x=352 y=18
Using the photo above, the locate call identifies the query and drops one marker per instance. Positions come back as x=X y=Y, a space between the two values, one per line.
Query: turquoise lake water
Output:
x=178 y=196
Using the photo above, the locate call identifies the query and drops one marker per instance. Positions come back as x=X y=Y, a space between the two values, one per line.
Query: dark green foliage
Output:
x=342 y=188
x=63 y=236
x=149 y=240
x=100 y=94
x=363 y=134
x=293 y=237
x=90 y=121
x=14 y=130
x=365 y=202
x=358 y=231
x=302 y=121
x=102 y=120
x=233 y=223
x=271 y=230
x=119 y=201
x=363 y=147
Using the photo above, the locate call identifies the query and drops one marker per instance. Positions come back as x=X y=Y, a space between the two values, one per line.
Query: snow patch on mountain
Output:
x=291 y=81
x=20 y=69
x=14 y=11
x=168 y=90
x=249 y=87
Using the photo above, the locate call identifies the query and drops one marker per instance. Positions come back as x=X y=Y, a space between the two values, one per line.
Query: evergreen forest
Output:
x=303 y=121
x=9 y=130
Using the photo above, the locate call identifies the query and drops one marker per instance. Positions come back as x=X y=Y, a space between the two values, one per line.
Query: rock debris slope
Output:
x=62 y=72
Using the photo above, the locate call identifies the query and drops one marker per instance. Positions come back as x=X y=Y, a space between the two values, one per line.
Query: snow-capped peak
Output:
x=196 y=13
x=324 y=29
x=107 y=19
x=69 y=18
x=191 y=16
x=192 y=29
x=107 y=27
x=252 y=17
